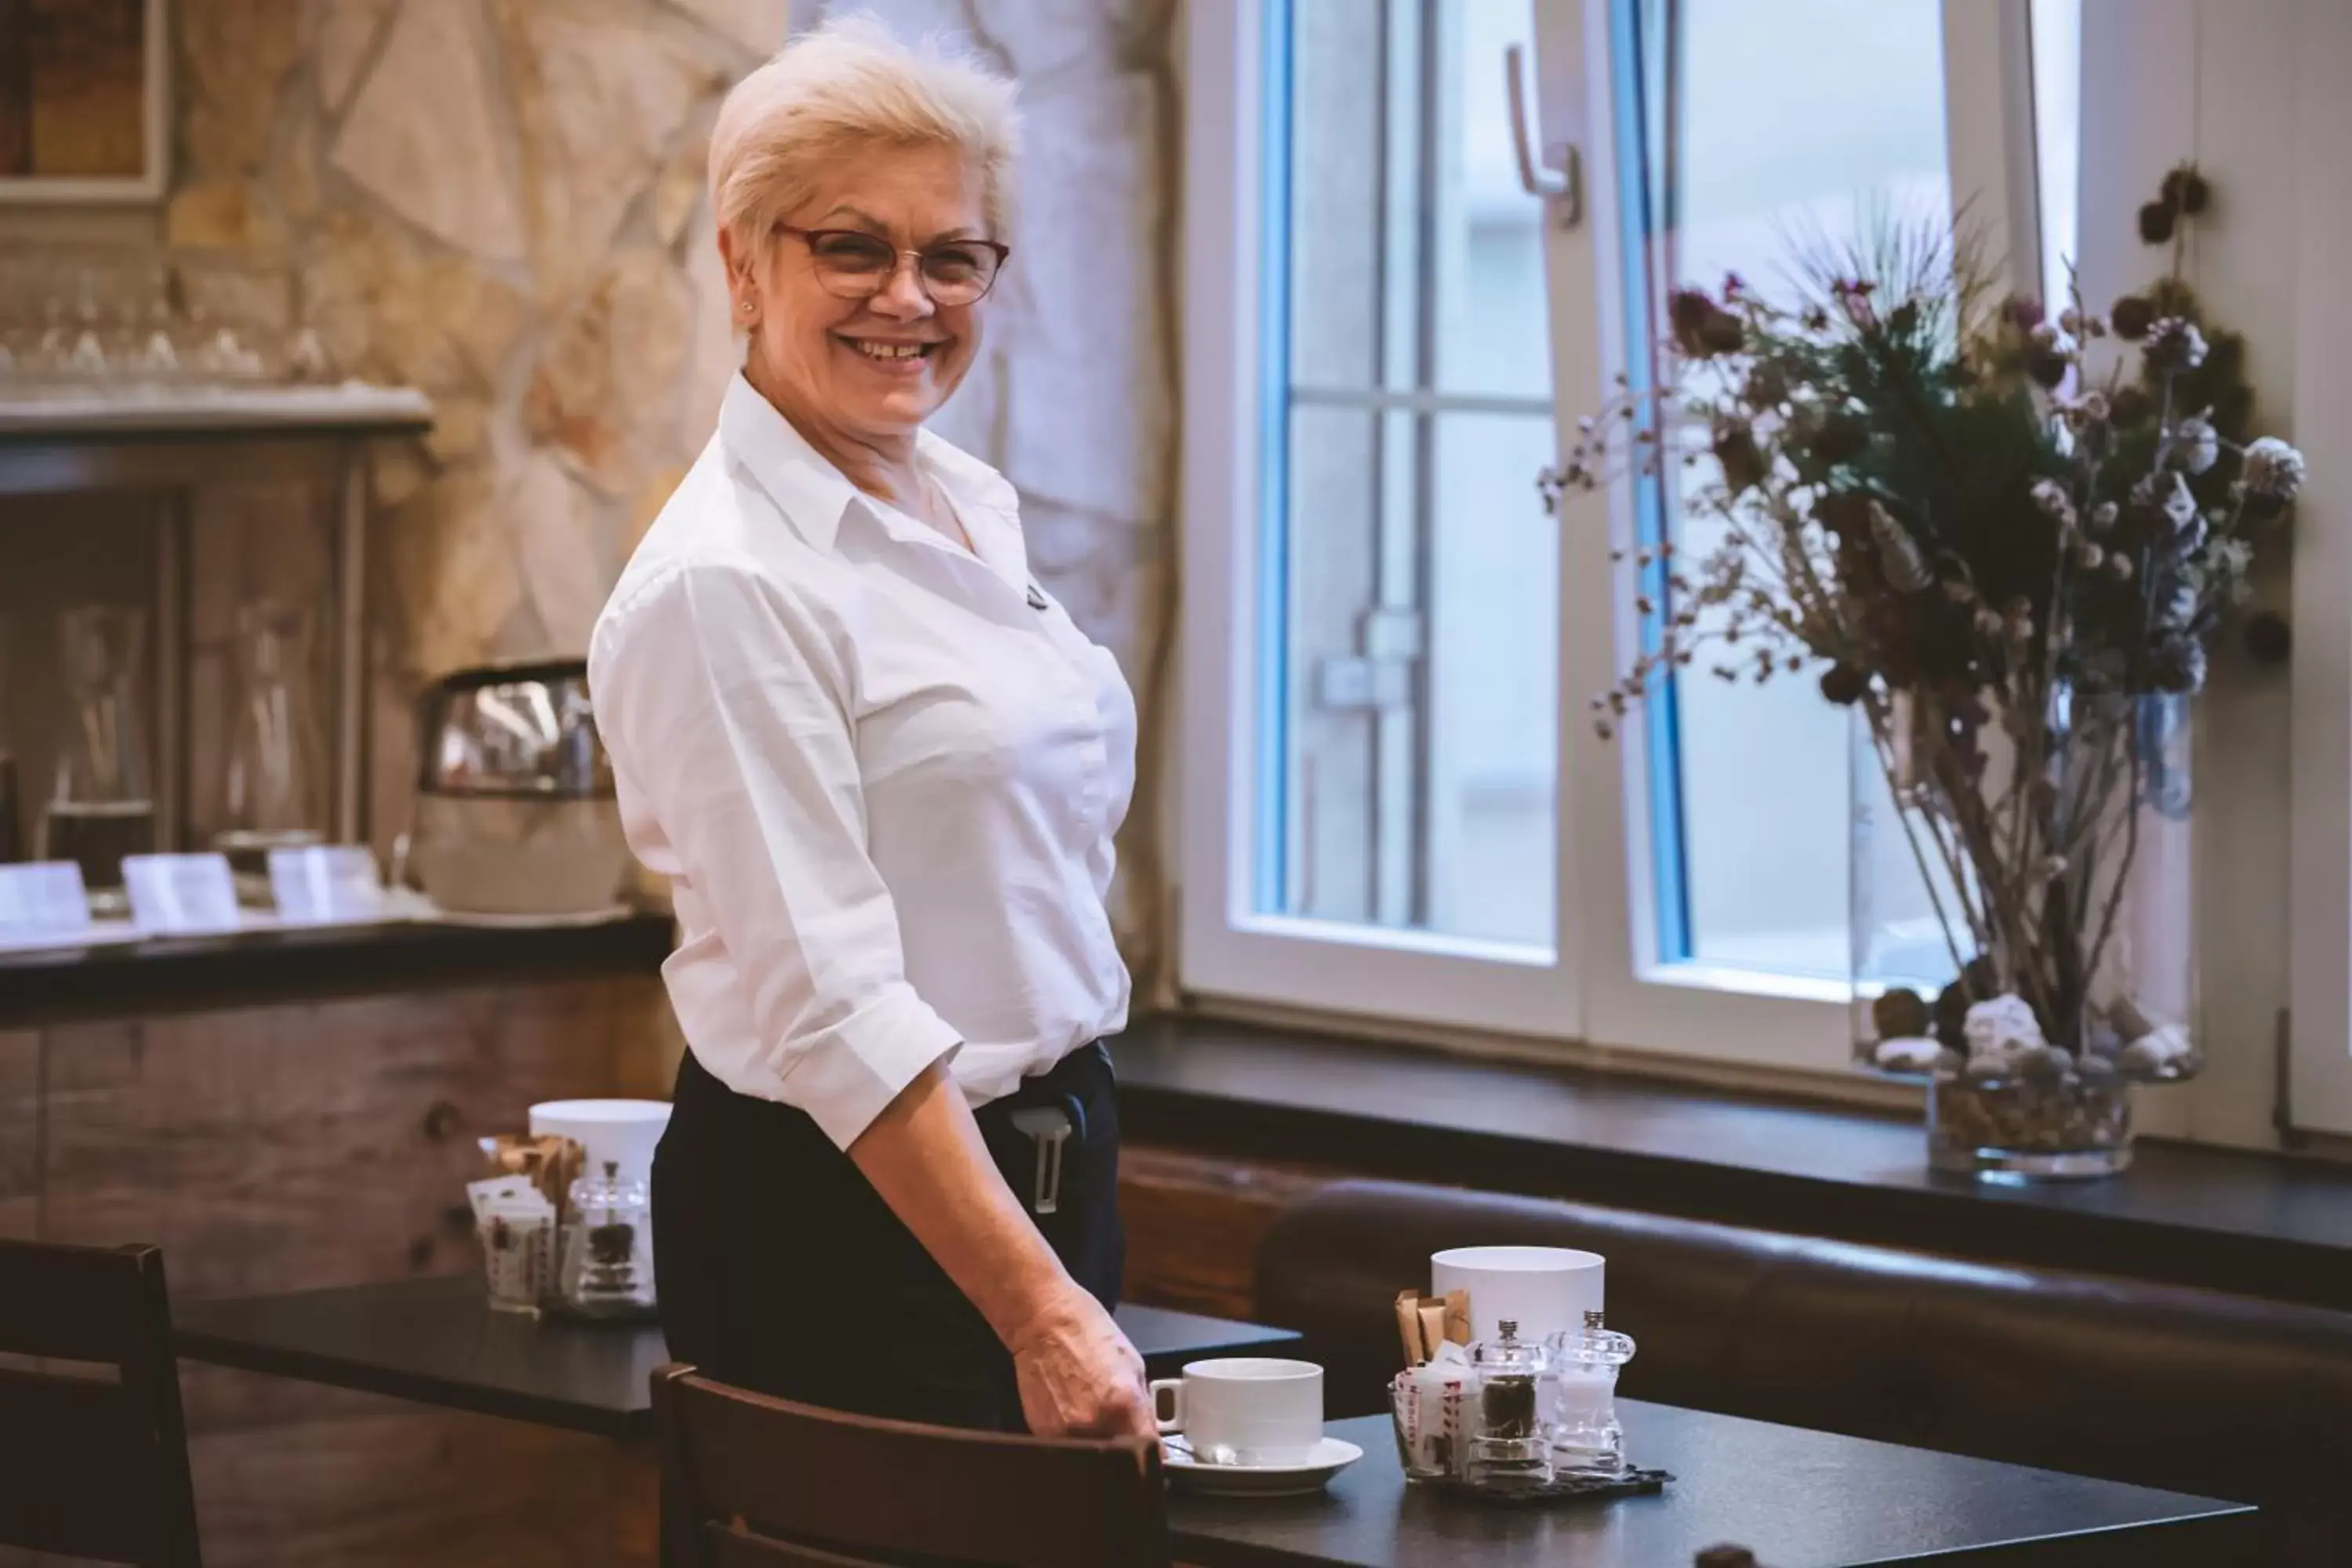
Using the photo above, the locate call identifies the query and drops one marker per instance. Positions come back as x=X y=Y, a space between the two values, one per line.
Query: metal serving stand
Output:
x=167 y=444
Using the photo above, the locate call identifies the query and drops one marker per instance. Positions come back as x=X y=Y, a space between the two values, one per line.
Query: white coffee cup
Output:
x=1542 y=1289
x=1244 y=1410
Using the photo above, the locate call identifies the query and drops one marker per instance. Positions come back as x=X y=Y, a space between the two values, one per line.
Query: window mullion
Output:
x=1403 y=285
x=1990 y=135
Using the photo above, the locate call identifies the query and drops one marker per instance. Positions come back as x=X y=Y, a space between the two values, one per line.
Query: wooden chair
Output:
x=91 y=1466
x=749 y=1482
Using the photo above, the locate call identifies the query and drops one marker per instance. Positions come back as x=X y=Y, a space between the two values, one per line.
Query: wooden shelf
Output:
x=180 y=973
x=227 y=413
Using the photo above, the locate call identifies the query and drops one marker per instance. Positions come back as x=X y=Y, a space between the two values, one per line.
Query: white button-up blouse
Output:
x=881 y=772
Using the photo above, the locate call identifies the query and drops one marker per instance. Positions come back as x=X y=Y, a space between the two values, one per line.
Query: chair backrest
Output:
x=749 y=1482
x=91 y=1465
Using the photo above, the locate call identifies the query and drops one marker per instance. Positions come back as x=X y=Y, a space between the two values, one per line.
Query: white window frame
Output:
x=1227 y=950
x=2250 y=89
x=2310 y=57
x=1604 y=984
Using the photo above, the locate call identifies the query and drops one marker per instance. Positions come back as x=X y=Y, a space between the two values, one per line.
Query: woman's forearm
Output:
x=924 y=1157
x=1077 y=1373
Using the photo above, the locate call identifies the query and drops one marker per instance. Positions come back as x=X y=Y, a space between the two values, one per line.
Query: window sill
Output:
x=2254 y=1223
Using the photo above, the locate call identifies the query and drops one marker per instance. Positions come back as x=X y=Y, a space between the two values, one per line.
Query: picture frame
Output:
x=71 y=73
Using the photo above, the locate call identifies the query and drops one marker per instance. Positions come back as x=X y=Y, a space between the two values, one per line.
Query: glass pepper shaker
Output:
x=1508 y=1445
x=608 y=1257
x=1586 y=1439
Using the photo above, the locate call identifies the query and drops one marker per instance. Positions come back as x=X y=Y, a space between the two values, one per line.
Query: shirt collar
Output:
x=810 y=491
x=813 y=495
x=985 y=502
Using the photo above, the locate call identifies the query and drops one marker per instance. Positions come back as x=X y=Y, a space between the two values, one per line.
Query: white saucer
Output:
x=1332 y=1455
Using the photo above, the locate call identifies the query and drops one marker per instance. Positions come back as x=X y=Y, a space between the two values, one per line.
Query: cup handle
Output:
x=1173 y=1387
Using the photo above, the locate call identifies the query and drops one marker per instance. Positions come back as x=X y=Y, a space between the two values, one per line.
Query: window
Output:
x=2282 y=97
x=1408 y=726
x=1384 y=808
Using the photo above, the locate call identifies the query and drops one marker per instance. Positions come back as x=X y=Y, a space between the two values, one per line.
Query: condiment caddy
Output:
x=556 y=1237
x=1514 y=1417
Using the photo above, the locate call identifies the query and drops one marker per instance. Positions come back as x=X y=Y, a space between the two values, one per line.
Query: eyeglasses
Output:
x=853 y=265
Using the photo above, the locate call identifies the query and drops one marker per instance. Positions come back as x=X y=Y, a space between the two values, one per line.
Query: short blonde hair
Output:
x=846 y=84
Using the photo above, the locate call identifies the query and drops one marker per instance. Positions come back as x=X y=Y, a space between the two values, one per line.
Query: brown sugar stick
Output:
x=1408 y=1322
x=1433 y=1327
x=1457 y=1316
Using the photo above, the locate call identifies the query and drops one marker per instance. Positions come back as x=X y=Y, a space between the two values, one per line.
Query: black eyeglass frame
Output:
x=811 y=237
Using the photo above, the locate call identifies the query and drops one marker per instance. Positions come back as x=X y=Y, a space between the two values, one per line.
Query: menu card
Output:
x=42 y=903
x=180 y=895
x=325 y=884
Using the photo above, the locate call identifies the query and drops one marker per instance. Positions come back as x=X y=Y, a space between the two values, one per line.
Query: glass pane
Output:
x=1798 y=118
x=1338 y=227
x=1486 y=230
x=1409 y=663
x=2058 y=136
x=1328 y=788
x=1494 y=674
x=1781 y=127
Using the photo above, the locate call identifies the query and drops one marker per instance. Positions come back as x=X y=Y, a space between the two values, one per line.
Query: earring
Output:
x=748 y=307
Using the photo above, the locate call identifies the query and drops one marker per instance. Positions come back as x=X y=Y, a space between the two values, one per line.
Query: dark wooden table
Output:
x=1797 y=1498
x=434 y=1340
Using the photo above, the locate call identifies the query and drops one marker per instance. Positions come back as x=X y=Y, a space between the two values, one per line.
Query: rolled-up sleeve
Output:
x=726 y=712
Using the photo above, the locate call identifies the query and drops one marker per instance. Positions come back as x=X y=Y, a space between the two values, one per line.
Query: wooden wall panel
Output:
x=402 y=1484
x=285 y=1148
x=1194 y=1222
x=288 y=1147
x=20 y=1133
x=219 y=1399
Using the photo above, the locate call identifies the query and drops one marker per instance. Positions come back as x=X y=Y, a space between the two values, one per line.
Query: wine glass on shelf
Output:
x=212 y=354
x=149 y=356
x=53 y=349
x=305 y=358
x=86 y=359
x=20 y=330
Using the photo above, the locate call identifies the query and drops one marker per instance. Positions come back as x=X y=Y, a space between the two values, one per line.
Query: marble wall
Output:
x=502 y=202
x=1076 y=397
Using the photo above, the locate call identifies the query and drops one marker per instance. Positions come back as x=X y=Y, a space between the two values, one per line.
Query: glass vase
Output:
x=101 y=804
x=11 y=845
x=2022 y=925
x=273 y=794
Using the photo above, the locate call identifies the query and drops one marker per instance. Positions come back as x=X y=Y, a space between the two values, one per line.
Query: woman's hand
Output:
x=1079 y=1376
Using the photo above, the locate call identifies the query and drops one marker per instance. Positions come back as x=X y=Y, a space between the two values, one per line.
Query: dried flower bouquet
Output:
x=2002 y=536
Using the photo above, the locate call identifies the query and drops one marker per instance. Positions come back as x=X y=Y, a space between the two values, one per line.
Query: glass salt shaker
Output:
x=1585 y=1436
x=1507 y=1444
x=1430 y=1402
x=608 y=1257
x=517 y=1232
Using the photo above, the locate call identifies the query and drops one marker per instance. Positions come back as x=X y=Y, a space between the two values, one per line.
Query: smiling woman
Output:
x=882 y=769
x=850 y=342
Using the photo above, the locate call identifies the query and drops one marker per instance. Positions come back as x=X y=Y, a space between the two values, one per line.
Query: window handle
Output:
x=1559 y=179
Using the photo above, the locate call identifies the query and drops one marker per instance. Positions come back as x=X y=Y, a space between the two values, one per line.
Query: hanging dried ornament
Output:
x=2132 y=317
x=2174 y=345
